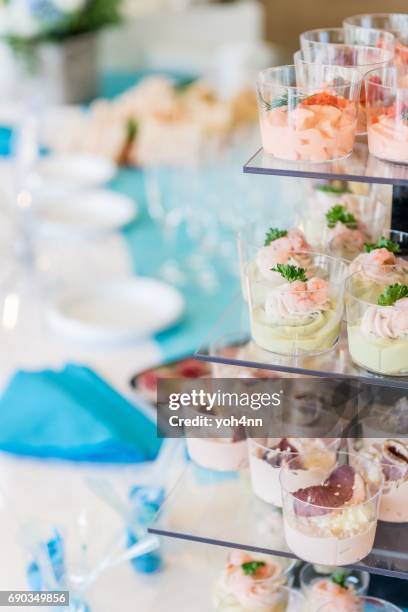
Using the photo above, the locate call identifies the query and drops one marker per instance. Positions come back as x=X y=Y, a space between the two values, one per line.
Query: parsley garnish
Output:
x=251 y=567
x=274 y=233
x=404 y=115
x=339 y=214
x=291 y=273
x=339 y=577
x=392 y=293
x=183 y=84
x=383 y=243
x=281 y=101
x=132 y=128
x=332 y=189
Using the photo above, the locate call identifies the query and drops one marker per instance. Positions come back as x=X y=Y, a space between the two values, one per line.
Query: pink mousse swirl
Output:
x=252 y=592
x=298 y=299
x=282 y=251
x=341 y=599
x=375 y=266
x=386 y=321
x=353 y=239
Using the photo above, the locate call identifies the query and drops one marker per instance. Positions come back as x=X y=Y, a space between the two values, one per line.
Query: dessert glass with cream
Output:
x=364 y=604
x=395 y=23
x=351 y=225
x=308 y=116
x=256 y=583
x=382 y=262
x=334 y=46
x=392 y=456
x=261 y=248
x=299 y=311
x=339 y=587
x=387 y=113
x=223 y=454
x=267 y=455
x=368 y=208
x=333 y=522
x=377 y=319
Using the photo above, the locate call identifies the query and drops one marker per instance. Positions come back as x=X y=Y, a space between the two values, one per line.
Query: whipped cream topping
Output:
x=298 y=299
x=386 y=321
x=252 y=591
x=375 y=266
x=282 y=251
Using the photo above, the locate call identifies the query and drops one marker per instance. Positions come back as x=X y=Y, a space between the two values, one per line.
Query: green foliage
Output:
x=392 y=293
x=338 y=190
x=339 y=577
x=383 y=243
x=291 y=273
x=251 y=567
x=339 y=214
x=273 y=234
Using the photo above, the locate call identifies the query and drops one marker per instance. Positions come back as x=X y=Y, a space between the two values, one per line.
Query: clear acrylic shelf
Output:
x=235 y=349
x=360 y=166
x=220 y=509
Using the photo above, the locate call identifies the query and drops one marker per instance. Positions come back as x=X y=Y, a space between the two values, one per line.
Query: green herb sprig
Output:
x=251 y=567
x=339 y=577
x=273 y=234
x=337 y=190
x=283 y=100
x=391 y=294
x=339 y=214
x=383 y=243
x=291 y=273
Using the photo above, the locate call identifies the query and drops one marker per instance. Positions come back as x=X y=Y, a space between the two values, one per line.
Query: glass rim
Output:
x=394 y=88
x=349 y=278
x=349 y=20
x=378 y=31
x=366 y=599
x=339 y=453
x=353 y=46
x=263 y=74
x=291 y=453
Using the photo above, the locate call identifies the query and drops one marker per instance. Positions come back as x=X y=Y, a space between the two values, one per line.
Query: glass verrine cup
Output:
x=225 y=451
x=367 y=604
x=267 y=455
x=256 y=241
x=353 y=223
x=392 y=455
x=309 y=120
x=377 y=318
x=298 y=311
x=255 y=581
x=321 y=587
x=387 y=113
x=332 y=46
x=396 y=23
x=332 y=522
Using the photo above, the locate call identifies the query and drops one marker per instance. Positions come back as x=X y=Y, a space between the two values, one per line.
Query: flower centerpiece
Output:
x=52 y=43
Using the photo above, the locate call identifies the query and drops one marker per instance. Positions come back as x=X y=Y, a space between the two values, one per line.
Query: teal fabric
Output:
x=74 y=415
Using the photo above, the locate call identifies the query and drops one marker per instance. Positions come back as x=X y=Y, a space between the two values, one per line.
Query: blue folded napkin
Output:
x=73 y=414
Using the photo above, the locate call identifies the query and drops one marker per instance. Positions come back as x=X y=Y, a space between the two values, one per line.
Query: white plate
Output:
x=86 y=212
x=83 y=170
x=117 y=311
